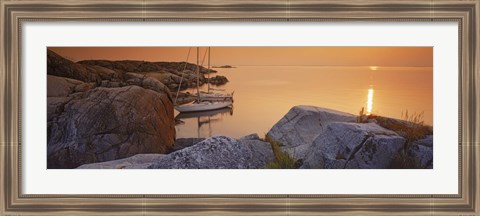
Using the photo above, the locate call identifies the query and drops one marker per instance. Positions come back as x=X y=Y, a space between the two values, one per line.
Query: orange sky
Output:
x=324 y=56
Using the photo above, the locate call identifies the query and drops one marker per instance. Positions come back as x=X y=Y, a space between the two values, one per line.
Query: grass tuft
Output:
x=412 y=127
x=282 y=160
x=362 y=116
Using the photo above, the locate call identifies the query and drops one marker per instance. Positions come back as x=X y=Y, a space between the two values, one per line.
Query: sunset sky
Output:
x=402 y=79
x=322 y=56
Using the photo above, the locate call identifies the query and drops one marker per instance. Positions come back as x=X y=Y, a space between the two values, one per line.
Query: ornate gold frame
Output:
x=15 y=12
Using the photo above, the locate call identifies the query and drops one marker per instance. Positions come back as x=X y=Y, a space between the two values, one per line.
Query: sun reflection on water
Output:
x=370 y=100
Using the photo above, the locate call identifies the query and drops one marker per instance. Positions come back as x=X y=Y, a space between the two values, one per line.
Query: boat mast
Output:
x=208 y=74
x=181 y=79
x=198 y=77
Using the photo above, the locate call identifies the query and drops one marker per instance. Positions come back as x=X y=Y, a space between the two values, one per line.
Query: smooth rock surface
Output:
x=219 y=152
x=105 y=124
x=61 y=86
x=301 y=125
x=427 y=141
x=353 y=145
x=377 y=153
x=139 y=161
x=422 y=152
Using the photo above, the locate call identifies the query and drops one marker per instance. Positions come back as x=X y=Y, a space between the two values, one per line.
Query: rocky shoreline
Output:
x=119 y=115
x=316 y=138
x=100 y=110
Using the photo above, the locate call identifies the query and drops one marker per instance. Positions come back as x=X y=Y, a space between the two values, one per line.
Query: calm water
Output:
x=264 y=94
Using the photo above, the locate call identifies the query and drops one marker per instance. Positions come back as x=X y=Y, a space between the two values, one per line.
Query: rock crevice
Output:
x=328 y=139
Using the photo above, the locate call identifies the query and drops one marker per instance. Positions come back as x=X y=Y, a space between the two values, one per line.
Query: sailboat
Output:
x=213 y=96
x=200 y=104
x=203 y=106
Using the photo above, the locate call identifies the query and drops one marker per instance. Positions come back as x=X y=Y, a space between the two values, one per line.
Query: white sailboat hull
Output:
x=203 y=106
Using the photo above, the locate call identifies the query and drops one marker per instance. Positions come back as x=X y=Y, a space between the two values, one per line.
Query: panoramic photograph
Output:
x=239 y=107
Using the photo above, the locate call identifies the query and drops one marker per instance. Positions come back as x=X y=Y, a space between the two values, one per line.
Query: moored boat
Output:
x=203 y=106
x=212 y=96
x=208 y=101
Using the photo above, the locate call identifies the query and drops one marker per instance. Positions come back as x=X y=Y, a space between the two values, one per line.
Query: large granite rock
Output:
x=139 y=161
x=216 y=152
x=323 y=138
x=352 y=146
x=60 y=91
x=301 y=125
x=219 y=152
x=105 y=124
x=422 y=153
x=61 y=86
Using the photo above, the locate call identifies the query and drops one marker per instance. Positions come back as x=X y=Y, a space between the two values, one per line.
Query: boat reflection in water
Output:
x=205 y=118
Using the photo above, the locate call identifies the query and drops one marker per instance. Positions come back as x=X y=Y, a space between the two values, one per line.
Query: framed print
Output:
x=234 y=107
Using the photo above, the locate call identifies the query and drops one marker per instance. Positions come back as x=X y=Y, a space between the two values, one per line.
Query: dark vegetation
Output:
x=411 y=127
x=282 y=160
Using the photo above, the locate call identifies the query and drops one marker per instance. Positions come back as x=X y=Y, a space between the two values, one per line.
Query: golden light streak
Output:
x=373 y=67
x=370 y=100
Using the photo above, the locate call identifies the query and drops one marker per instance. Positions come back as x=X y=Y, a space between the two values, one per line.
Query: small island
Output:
x=223 y=66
